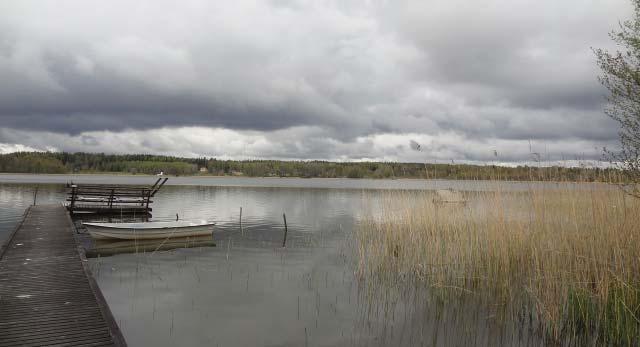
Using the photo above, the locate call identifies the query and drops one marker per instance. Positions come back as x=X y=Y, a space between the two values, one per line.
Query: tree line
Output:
x=63 y=162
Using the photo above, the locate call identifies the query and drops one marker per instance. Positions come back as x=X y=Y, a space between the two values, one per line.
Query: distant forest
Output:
x=61 y=163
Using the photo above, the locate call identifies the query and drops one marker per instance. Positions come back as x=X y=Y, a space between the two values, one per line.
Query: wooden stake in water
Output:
x=35 y=195
x=176 y=217
x=284 y=241
x=241 y=231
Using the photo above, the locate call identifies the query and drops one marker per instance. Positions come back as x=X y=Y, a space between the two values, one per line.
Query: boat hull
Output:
x=100 y=232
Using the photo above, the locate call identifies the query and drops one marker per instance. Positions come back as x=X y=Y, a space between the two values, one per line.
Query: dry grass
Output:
x=569 y=258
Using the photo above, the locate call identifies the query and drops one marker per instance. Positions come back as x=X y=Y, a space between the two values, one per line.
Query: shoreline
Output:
x=410 y=179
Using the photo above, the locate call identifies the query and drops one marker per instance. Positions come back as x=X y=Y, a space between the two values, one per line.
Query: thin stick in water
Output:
x=284 y=240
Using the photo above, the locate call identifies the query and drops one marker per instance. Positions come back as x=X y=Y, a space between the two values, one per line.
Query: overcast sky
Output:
x=287 y=79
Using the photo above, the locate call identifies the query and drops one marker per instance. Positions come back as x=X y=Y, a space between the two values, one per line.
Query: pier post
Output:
x=73 y=198
x=146 y=207
x=111 y=196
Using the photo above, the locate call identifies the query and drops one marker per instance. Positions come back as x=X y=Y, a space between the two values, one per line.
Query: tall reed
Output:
x=569 y=259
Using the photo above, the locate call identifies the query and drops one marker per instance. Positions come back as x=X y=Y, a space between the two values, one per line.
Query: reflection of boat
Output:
x=148 y=230
x=104 y=247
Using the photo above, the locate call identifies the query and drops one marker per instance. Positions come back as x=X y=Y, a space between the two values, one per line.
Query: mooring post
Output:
x=35 y=195
x=111 y=197
x=241 y=231
x=146 y=207
x=284 y=241
x=176 y=217
x=73 y=197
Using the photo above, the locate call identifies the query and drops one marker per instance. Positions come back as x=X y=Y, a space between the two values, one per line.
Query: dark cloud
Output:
x=103 y=101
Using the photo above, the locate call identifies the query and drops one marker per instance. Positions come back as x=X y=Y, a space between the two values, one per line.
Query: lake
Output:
x=249 y=291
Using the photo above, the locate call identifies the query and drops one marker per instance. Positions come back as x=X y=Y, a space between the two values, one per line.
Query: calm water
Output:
x=248 y=291
x=306 y=183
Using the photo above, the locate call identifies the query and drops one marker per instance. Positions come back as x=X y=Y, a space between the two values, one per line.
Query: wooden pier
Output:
x=48 y=296
x=112 y=199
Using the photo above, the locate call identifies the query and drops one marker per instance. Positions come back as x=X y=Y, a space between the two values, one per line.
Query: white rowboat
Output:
x=148 y=230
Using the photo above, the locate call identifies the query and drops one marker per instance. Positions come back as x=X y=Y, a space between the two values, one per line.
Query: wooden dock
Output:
x=112 y=199
x=48 y=296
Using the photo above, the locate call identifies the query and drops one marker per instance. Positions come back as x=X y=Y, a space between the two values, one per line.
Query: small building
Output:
x=204 y=170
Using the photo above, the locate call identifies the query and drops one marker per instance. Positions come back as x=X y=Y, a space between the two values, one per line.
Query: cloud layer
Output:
x=346 y=80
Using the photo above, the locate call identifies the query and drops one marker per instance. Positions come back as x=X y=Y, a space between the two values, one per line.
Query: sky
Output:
x=470 y=81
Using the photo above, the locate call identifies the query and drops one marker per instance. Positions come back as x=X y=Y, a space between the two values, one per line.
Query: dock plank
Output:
x=47 y=293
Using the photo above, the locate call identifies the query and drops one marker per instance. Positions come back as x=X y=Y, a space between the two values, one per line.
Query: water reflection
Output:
x=110 y=247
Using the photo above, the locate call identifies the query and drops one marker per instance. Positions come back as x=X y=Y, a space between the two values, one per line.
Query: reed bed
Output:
x=564 y=262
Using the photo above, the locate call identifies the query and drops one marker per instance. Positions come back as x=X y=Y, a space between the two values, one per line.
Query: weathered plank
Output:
x=47 y=294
